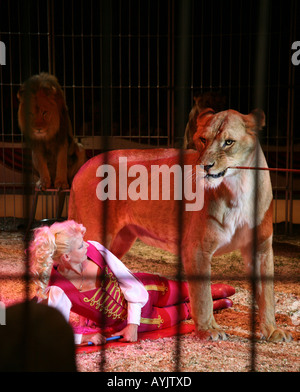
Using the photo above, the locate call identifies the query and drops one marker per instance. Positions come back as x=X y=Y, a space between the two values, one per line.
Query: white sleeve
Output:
x=134 y=313
x=60 y=301
x=133 y=290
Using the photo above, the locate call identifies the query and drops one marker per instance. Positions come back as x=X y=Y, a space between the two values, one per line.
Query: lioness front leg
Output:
x=198 y=274
x=264 y=292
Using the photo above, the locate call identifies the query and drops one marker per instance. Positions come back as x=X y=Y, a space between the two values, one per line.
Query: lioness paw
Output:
x=273 y=334
x=279 y=335
x=211 y=334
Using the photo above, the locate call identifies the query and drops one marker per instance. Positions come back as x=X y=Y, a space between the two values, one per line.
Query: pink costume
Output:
x=148 y=300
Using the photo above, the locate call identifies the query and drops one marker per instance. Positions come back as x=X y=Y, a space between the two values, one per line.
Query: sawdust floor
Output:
x=187 y=353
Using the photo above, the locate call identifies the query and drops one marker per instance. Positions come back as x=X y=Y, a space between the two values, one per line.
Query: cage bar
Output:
x=128 y=80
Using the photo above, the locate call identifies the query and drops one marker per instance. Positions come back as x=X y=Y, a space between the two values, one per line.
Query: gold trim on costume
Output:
x=155 y=287
x=157 y=321
x=112 y=292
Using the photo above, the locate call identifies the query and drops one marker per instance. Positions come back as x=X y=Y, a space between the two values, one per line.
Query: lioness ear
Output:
x=255 y=120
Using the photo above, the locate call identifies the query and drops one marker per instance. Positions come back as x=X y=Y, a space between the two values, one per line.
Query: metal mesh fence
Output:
x=120 y=65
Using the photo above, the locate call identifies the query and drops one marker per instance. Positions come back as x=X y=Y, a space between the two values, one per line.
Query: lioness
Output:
x=55 y=154
x=224 y=223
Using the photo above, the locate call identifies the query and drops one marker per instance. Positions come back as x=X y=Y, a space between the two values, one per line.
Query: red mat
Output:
x=180 y=329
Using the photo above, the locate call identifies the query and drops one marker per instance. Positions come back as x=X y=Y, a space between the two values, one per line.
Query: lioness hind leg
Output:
x=122 y=242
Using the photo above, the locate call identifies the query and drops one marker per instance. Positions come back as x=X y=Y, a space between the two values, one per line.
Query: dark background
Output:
x=131 y=68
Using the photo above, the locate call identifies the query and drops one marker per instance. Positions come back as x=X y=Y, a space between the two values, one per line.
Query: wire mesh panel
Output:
x=130 y=70
x=119 y=65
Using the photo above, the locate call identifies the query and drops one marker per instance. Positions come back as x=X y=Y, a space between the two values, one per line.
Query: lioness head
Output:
x=42 y=104
x=224 y=140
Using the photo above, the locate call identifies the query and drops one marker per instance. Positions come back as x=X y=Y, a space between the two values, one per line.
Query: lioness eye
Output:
x=45 y=114
x=203 y=140
x=228 y=142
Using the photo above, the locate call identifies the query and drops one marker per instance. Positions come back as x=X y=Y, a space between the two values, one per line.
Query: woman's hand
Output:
x=96 y=338
x=129 y=333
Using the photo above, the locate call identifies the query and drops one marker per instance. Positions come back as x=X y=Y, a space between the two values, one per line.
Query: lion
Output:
x=117 y=209
x=56 y=156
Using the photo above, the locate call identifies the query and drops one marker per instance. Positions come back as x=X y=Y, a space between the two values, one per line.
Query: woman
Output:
x=88 y=279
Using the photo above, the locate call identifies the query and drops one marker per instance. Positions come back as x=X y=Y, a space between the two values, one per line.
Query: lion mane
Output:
x=209 y=101
x=44 y=121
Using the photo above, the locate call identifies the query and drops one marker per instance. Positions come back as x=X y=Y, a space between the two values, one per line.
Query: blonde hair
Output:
x=47 y=247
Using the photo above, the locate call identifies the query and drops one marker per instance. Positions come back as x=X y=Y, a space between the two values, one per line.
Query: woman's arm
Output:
x=129 y=333
x=96 y=338
x=60 y=301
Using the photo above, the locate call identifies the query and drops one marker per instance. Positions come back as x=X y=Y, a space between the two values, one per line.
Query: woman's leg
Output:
x=166 y=292
x=159 y=318
x=163 y=291
x=155 y=318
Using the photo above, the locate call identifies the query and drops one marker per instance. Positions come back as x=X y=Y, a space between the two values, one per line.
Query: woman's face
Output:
x=78 y=251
